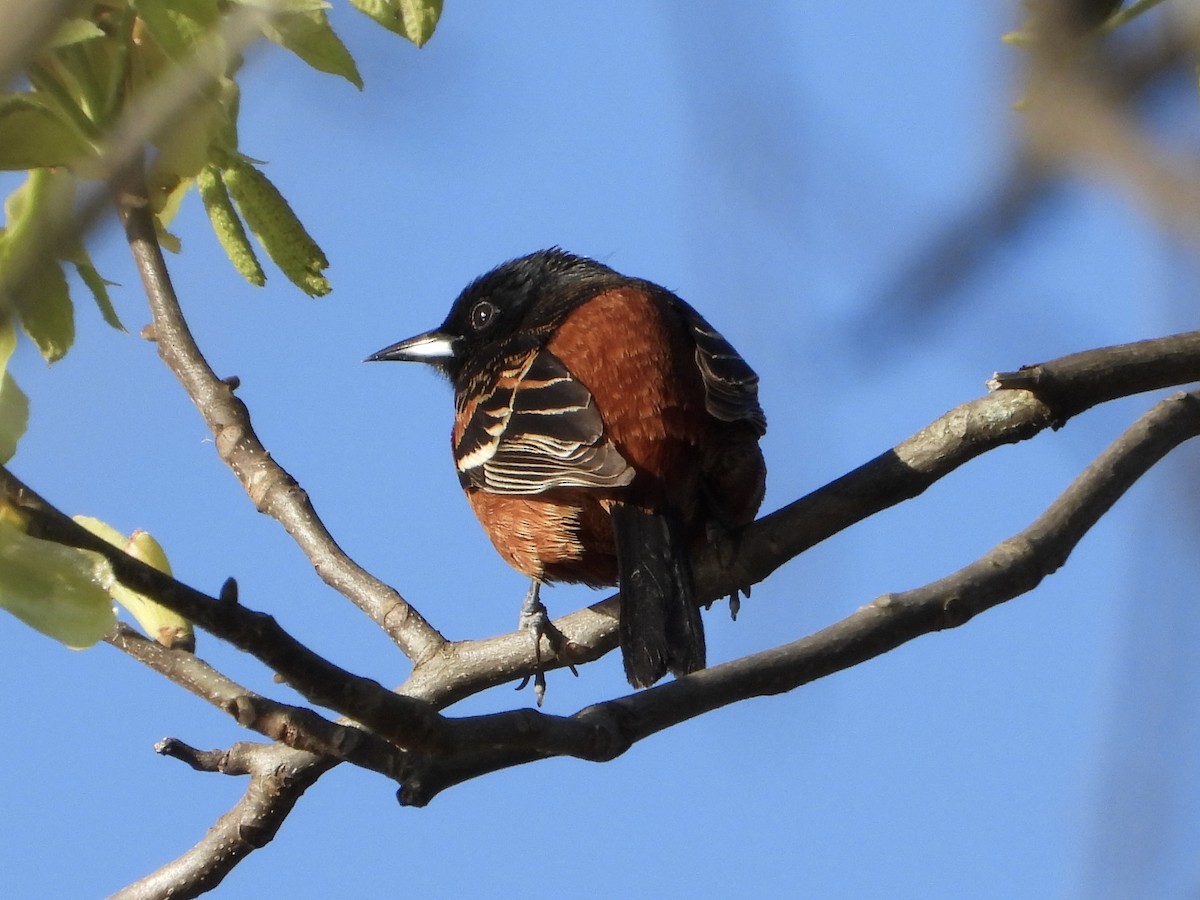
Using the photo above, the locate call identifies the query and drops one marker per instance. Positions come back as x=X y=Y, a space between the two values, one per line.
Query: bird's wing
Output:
x=537 y=429
x=730 y=385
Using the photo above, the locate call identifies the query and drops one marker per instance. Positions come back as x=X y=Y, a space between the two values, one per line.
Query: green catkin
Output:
x=228 y=226
x=277 y=228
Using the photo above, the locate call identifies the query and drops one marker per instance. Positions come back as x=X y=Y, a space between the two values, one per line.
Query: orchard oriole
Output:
x=602 y=429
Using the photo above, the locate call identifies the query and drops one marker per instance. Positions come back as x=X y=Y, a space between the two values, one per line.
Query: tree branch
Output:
x=278 y=778
x=1044 y=395
x=1005 y=416
x=297 y=727
x=272 y=490
x=405 y=721
x=1013 y=567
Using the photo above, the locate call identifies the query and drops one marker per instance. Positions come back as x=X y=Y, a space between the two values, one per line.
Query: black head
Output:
x=513 y=307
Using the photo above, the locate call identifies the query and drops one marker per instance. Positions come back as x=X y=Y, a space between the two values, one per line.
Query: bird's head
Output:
x=508 y=310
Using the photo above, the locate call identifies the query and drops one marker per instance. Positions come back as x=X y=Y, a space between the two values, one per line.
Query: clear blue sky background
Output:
x=776 y=167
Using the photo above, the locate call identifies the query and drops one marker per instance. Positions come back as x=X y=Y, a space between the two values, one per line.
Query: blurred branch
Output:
x=27 y=27
x=1102 y=99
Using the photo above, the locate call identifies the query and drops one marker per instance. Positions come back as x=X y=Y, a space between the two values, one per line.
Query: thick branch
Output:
x=1013 y=567
x=1060 y=389
x=272 y=490
x=1071 y=384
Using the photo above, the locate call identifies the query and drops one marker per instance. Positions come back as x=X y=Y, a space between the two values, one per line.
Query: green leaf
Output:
x=32 y=282
x=412 y=19
x=53 y=588
x=44 y=306
x=14 y=405
x=34 y=136
x=99 y=285
x=310 y=36
x=14 y=416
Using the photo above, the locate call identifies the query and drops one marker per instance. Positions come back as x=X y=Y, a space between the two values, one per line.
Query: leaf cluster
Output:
x=165 y=71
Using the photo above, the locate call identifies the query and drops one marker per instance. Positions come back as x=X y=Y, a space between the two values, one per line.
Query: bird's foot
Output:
x=535 y=620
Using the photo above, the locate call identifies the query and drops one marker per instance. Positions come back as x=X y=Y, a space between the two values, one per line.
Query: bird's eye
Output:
x=482 y=313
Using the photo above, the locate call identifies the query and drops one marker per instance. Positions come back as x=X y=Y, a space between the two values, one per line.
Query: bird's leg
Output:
x=536 y=621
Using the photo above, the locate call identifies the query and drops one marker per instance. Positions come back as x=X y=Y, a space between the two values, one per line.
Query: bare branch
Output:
x=200 y=760
x=1013 y=567
x=272 y=490
x=1054 y=391
x=278 y=778
x=297 y=727
x=1071 y=384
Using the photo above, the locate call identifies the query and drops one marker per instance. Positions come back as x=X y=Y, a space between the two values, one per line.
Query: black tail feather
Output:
x=660 y=626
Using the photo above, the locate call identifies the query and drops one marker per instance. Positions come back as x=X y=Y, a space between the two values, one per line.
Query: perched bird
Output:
x=602 y=429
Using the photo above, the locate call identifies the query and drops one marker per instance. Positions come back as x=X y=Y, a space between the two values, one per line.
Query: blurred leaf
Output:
x=310 y=36
x=178 y=26
x=53 y=588
x=44 y=306
x=34 y=136
x=277 y=228
x=73 y=31
x=32 y=282
x=226 y=138
x=14 y=416
x=412 y=19
x=184 y=148
x=14 y=405
x=98 y=285
x=228 y=226
x=168 y=628
x=286 y=6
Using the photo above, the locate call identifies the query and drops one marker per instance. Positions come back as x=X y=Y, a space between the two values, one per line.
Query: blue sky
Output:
x=776 y=169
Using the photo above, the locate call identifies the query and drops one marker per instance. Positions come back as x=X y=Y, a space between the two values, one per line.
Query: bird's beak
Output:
x=434 y=347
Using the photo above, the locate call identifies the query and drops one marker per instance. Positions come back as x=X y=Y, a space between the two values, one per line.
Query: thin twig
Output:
x=297 y=727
